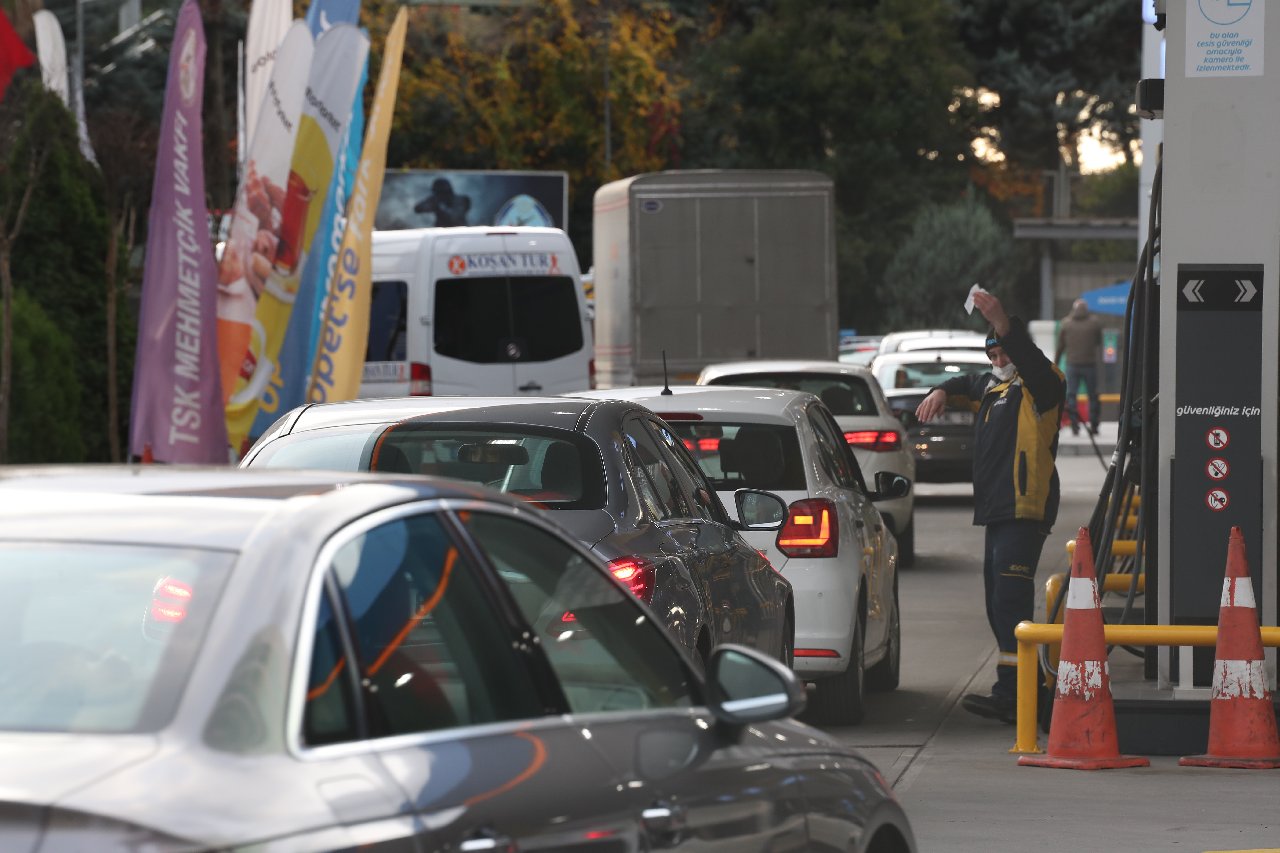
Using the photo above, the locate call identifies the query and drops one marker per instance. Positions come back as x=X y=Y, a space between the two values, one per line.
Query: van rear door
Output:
x=507 y=316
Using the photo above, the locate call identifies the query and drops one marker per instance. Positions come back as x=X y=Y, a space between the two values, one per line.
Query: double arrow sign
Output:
x=1245 y=290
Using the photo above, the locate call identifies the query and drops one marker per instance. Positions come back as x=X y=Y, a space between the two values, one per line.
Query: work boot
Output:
x=992 y=707
x=1075 y=428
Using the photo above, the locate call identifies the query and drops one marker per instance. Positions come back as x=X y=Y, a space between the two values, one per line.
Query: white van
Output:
x=473 y=310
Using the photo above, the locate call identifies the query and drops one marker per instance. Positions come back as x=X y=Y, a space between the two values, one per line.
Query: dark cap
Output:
x=993 y=340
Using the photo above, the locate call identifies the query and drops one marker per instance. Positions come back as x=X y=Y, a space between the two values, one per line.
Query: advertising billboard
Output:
x=422 y=198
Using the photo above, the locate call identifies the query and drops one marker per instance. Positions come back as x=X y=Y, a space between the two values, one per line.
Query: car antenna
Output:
x=666 y=383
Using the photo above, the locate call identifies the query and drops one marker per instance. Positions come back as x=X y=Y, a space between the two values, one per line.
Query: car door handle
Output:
x=531 y=386
x=485 y=840
x=663 y=818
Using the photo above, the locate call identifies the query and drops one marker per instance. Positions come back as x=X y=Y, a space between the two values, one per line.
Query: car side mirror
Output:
x=891 y=485
x=759 y=510
x=745 y=686
x=908 y=418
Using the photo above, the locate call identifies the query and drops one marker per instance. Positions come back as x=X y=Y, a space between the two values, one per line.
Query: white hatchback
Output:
x=867 y=420
x=834 y=547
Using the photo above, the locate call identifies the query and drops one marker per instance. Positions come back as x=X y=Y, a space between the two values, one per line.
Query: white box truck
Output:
x=712 y=265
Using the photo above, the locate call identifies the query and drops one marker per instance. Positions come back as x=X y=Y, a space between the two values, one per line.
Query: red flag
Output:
x=13 y=53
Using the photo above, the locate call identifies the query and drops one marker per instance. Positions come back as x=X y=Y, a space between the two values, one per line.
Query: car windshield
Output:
x=745 y=456
x=843 y=394
x=558 y=469
x=98 y=637
x=927 y=373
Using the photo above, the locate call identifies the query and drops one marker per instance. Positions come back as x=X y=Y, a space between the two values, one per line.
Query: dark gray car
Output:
x=195 y=659
x=611 y=472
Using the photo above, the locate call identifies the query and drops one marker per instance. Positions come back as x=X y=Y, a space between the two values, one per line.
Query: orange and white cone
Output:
x=1082 y=735
x=1242 y=720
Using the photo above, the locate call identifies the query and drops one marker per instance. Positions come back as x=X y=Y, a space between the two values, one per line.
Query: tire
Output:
x=838 y=700
x=907 y=544
x=886 y=674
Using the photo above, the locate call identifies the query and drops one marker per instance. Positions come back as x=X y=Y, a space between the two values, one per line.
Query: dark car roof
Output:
x=209 y=507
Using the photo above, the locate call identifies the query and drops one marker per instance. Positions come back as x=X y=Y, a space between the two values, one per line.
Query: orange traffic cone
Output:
x=1242 y=721
x=1082 y=735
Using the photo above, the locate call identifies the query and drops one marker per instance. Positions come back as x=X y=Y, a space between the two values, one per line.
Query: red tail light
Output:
x=591 y=374
x=811 y=529
x=419 y=380
x=878 y=440
x=638 y=575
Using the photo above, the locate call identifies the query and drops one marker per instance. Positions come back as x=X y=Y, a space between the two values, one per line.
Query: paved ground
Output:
x=961 y=788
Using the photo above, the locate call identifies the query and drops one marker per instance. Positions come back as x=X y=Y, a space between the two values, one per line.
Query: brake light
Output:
x=680 y=416
x=878 y=440
x=591 y=374
x=637 y=574
x=811 y=529
x=709 y=445
x=419 y=379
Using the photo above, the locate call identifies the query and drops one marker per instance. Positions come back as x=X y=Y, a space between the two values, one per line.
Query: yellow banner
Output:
x=340 y=354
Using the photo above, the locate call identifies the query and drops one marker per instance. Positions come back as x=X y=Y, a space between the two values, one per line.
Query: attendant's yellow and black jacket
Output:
x=1015 y=434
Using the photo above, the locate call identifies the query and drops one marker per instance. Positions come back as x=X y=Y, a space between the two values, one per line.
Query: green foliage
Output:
x=951 y=247
x=58 y=259
x=1058 y=68
x=46 y=391
x=867 y=93
x=1110 y=194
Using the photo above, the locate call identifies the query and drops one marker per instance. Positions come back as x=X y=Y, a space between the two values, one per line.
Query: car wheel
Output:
x=838 y=699
x=907 y=544
x=886 y=674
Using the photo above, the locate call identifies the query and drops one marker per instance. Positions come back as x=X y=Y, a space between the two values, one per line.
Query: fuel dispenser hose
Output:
x=1133 y=461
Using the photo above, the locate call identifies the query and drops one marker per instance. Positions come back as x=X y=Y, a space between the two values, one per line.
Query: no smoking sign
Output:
x=1217 y=469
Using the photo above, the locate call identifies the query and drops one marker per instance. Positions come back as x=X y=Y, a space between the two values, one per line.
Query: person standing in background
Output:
x=1080 y=337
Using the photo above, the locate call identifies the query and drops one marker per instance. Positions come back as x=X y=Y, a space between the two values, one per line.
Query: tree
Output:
x=1057 y=69
x=526 y=90
x=27 y=118
x=951 y=247
x=869 y=93
x=45 y=388
x=59 y=260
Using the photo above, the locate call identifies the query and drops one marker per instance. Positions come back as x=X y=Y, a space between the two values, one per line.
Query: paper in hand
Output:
x=968 y=302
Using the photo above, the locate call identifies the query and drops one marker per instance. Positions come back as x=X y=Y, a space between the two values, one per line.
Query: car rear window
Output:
x=558 y=469
x=99 y=637
x=745 y=456
x=927 y=373
x=504 y=319
x=843 y=394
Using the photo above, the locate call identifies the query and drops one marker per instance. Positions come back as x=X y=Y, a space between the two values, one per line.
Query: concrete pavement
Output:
x=962 y=789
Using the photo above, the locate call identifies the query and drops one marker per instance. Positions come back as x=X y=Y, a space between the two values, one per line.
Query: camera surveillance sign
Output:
x=1224 y=38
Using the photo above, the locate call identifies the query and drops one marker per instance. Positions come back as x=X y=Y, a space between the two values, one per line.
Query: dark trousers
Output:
x=1087 y=375
x=1012 y=552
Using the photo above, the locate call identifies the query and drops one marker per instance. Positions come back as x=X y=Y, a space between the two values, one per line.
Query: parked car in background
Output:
x=895 y=341
x=609 y=473
x=835 y=549
x=971 y=341
x=215 y=659
x=943 y=448
x=869 y=425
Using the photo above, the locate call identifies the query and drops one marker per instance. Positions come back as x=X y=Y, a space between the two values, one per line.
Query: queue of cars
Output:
x=834 y=547
x=608 y=471
x=212 y=659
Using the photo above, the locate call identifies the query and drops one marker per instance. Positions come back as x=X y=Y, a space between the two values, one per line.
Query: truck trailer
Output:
x=712 y=265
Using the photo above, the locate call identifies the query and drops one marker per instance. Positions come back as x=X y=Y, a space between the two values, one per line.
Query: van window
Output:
x=388 y=311
x=502 y=319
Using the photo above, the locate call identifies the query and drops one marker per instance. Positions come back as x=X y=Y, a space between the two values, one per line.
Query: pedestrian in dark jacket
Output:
x=1018 y=407
x=1080 y=337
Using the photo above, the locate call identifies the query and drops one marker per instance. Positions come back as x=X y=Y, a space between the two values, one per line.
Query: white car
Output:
x=834 y=547
x=867 y=420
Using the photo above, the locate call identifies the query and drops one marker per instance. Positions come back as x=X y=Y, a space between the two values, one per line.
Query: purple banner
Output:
x=177 y=413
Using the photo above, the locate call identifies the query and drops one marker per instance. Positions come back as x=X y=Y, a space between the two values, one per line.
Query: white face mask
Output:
x=1004 y=374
